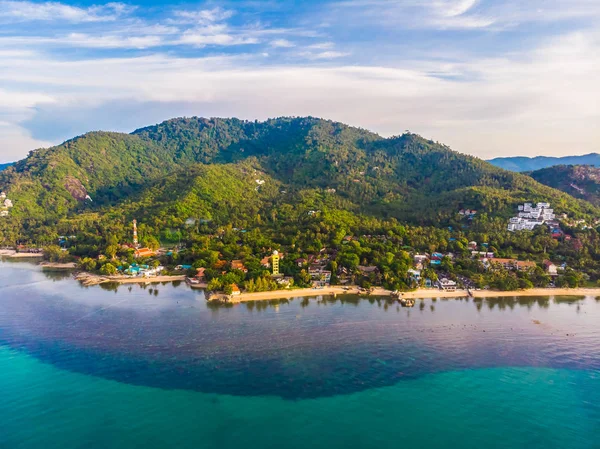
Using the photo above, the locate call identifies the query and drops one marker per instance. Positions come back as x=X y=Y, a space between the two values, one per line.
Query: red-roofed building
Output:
x=200 y=276
x=238 y=265
x=144 y=252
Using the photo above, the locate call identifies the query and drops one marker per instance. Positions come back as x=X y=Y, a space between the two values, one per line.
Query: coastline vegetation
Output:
x=209 y=192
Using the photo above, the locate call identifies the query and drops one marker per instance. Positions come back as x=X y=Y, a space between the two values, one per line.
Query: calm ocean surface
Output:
x=156 y=367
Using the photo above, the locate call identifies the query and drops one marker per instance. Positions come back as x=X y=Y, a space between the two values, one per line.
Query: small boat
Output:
x=405 y=302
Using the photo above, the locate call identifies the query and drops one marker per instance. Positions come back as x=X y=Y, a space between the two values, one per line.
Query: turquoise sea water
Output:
x=155 y=367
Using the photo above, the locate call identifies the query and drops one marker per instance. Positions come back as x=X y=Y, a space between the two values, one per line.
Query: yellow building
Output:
x=275 y=263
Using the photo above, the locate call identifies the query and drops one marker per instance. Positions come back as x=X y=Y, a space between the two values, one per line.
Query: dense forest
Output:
x=216 y=190
x=579 y=181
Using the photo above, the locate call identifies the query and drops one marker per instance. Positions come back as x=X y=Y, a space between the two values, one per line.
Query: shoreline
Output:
x=12 y=254
x=58 y=265
x=417 y=294
x=88 y=279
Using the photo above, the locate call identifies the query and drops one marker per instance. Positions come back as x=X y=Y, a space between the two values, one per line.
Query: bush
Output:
x=108 y=269
x=88 y=264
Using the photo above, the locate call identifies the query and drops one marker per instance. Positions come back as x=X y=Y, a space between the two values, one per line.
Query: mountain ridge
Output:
x=526 y=164
x=579 y=181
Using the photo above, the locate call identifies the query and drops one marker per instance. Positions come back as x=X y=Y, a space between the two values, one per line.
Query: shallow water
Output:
x=156 y=367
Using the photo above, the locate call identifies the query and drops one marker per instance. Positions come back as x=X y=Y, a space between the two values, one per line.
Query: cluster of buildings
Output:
x=317 y=267
x=5 y=205
x=434 y=259
x=508 y=264
x=469 y=214
x=531 y=216
x=146 y=271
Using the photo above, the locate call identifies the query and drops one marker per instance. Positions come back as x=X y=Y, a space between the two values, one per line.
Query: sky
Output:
x=487 y=77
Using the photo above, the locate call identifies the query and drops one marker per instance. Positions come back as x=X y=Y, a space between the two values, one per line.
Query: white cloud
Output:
x=213 y=36
x=16 y=142
x=16 y=107
x=544 y=101
x=322 y=46
x=462 y=14
x=202 y=17
x=282 y=43
x=114 y=41
x=453 y=8
x=54 y=11
x=323 y=55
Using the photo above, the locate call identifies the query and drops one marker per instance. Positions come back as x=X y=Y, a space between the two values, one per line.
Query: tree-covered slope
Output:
x=406 y=177
x=525 y=164
x=106 y=166
x=580 y=181
x=210 y=169
x=4 y=166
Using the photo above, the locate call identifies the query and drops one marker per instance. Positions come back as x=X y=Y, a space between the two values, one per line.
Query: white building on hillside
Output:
x=530 y=216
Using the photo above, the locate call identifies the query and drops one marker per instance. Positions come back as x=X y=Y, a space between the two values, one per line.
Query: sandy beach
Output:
x=59 y=266
x=12 y=254
x=89 y=279
x=417 y=294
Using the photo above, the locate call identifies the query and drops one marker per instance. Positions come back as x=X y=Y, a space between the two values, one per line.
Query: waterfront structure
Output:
x=415 y=275
x=447 y=285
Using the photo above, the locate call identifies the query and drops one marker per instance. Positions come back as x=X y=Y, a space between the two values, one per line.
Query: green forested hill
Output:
x=405 y=177
x=212 y=169
x=580 y=181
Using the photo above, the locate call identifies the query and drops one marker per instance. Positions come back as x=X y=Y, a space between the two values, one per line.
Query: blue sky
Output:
x=487 y=77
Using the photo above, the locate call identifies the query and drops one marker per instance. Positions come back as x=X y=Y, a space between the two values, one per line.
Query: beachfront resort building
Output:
x=530 y=216
x=447 y=285
x=414 y=275
x=146 y=271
